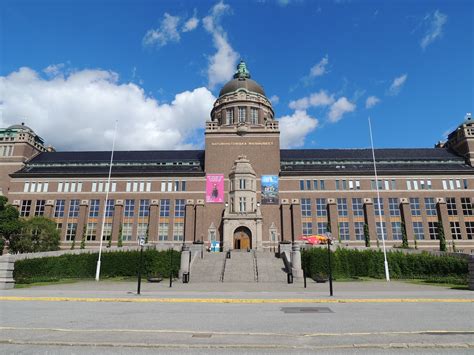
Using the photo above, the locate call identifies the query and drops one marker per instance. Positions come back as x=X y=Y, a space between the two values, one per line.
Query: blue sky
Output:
x=70 y=68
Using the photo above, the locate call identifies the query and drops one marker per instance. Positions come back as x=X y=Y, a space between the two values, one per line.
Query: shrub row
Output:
x=348 y=263
x=121 y=263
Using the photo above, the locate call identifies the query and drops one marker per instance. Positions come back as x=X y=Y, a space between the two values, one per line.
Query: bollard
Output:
x=290 y=278
x=228 y=254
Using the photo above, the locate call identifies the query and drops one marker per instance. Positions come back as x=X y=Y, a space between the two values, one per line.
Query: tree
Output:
x=404 y=236
x=366 y=235
x=120 y=238
x=10 y=223
x=83 y=238
x=37 y=234
x=442 y=238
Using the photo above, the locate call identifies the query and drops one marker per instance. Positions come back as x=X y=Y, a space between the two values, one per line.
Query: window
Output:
x=393 y=206
x=359 y=230
x=129 y=209
x=466 y=205
x=179 y=208
x=322 y=227
x=163 y=231
x=242 y=184
x=164 y=208
x=74 y=208
x=315 y=184
x=178 y=231
x=378 y=204
x=301 y=184
x=455 y=230
x=91 y=231
x=380 y=229
x=94 y=208
x=144 y=208
x=322 y=185
x=396 y=230
x=306 y=207
x=430 y=206
x=107 y=232
x=344 y=230
x=242 y=204
x=183 y=185
x=127 y=231
x=242 y=114
x=418 y=230
x=71 y=231
x=357 y=207
x=110 y=209
x=465 y=184
x=39 y=208
x=433 y=230
x=470 y=230
x=415 y=206
x=254 y=115
x=451 y=205
x=321 y=210
x=342 y=207
x=229 y=116
x=142 y=230
x=341 y=184
x=308 y=184
x=307 y=228
x=59 y=208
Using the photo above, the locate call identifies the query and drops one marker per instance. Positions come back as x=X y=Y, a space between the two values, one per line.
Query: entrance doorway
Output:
x=242 y=238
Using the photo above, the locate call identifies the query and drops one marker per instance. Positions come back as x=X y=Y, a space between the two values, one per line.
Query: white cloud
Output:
x=53 y=69
x=371 y=101
x=435 y=22
x=397 y=84
x=339 y=108
x=191 y=24
x=320 y=98
x=168 y=32
x=295 y=128
x=275 y=99
x=320 y=68
x=78 y=110
x=222 y=63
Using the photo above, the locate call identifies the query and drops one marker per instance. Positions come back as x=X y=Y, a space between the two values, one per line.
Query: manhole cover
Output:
x=202 y=335
x=306 y=310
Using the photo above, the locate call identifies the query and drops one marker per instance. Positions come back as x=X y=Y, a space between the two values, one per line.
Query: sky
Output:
x=72 y=70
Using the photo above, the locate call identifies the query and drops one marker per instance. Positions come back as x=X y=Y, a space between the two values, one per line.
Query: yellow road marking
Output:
x=239 y=300
x=172 y=331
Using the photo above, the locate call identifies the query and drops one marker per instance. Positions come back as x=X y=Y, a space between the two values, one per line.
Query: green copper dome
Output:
x=242 y=81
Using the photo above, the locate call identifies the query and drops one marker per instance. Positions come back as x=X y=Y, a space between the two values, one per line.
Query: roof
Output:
x=242 y=83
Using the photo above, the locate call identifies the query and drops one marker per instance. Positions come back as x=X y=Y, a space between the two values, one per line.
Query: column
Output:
x=260 y=116
x=199 y=222
x=332 y=216
x=406 y=218
x=443 y=217
x=82 y=220
x=370 y=220
x=153 y=221
x=189 y=221
x=117 y=220
x=285 y=220
x=49 y=209
x=296 y=227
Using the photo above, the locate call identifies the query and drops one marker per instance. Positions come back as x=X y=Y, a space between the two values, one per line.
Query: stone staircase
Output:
x=240 y=267
x=208 y=269
x=269 y=267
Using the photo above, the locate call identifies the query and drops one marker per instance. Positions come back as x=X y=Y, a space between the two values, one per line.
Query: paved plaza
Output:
x=276 y=318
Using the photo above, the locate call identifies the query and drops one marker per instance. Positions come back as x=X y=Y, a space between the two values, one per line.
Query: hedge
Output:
x=121 y=263
x=348 y=263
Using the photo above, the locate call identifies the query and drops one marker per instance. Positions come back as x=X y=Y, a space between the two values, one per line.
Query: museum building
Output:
x=242 y=191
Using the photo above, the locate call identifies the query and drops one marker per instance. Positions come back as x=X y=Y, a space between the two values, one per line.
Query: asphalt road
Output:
x=441 y=324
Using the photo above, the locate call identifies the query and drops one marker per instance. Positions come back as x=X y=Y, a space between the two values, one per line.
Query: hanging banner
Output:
x=270 y=190
x=214 y=188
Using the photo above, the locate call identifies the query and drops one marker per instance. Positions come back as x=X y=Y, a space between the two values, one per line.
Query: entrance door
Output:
x=242 y=238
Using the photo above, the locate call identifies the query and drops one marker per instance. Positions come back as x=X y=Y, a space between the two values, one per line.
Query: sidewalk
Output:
x=364 y=290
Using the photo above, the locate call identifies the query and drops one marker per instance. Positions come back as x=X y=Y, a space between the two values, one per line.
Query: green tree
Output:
x=404 y=236
x=120 y=238
x=83 y=238
x=37 y=234
x=441 y=236
x=366 y=235
x=10 y=223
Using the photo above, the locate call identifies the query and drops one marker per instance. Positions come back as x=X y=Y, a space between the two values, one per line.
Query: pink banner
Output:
x=214 y=188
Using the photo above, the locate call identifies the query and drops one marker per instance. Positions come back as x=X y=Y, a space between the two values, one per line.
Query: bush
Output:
x=121 y=263
x=2 y=245
x=348 y=263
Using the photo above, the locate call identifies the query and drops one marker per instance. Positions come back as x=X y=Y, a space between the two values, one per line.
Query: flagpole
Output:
x=387 y=274
x=97 y=272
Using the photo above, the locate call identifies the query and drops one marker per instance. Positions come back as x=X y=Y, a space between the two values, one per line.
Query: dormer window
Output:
x=242 y=184
x=229 y=116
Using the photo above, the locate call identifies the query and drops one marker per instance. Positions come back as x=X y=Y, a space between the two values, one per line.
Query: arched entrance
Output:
x=242 y=238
